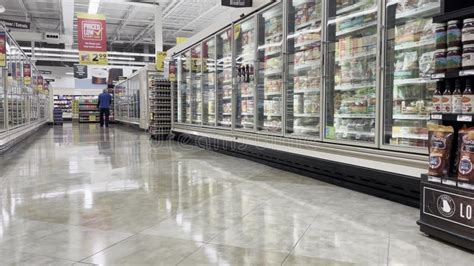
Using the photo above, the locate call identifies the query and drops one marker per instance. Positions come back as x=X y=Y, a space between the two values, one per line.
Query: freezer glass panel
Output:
x=185 y=86
x=270 y=71
x=224 y=78
x=409 y=65
x=196 y=91
x=304 y=62
x=209 y=82
x=245 y=42
x=351 y=87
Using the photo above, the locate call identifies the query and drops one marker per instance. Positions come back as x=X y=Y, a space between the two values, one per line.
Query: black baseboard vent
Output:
x=395 y=187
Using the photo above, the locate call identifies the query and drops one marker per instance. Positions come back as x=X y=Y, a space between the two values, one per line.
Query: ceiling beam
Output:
x=124 y=21
x=167 y=12
x=67 y=17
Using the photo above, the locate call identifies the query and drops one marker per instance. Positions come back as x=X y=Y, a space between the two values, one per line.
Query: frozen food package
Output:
x=440 y=142
x=461 y=134
x=466 y=156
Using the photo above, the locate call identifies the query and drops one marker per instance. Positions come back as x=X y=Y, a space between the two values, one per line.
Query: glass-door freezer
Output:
x=196 y=91
x=209 y=82
x=303 y=99
x=270 y=70
x=245 y=56
x=409 y=63
x=224 y=78
x=184 y=87
x=351 y=87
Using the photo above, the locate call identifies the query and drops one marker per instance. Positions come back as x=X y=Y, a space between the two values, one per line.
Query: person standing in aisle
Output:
x=105 y=100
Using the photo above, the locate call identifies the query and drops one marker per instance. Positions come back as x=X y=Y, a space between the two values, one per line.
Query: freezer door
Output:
x=303 y=100
x=351 y=87
x=409 y=63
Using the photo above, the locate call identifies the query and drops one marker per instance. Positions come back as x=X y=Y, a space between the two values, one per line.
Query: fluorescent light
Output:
x=69 y=73
x=93 y=6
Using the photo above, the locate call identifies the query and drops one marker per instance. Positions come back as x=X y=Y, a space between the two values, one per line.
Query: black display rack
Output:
x=446 y=203
x=160 y=108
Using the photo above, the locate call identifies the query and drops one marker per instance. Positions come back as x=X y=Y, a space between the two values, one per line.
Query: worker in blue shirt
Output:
x=105 y=100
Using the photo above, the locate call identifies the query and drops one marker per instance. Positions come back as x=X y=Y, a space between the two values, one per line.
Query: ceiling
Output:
x=130 y=25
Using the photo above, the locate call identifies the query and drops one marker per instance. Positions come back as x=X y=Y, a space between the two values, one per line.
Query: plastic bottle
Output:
x=467 y=99
x=447 y=99
x=457 y=97
x=437 y=98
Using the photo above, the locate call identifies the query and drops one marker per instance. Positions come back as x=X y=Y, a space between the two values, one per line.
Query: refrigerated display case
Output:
x=305 y=69
x=351 y=95
x=196 y=92
x=209 y=82
x=185 y=83
x=270 y=70
x=409 y=63
x=245 y=57
x=224 y=78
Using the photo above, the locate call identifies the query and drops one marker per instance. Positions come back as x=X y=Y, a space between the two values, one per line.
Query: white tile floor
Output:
x=84 y=194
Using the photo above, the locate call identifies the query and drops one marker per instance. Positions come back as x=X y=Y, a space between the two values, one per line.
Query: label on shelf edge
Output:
x=438 y=76
x=464 y=118
x=466 y=72
x=436 y=116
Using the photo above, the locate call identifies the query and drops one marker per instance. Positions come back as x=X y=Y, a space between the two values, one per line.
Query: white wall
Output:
x=65 y=84
x=219 y=22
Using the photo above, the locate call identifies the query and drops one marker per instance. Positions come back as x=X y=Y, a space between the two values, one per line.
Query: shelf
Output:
x=467 y=118
x=399 y=82
x=247 y=114
x=308 y=65
x=350 y=87
x=270 y=115
x=275 y=72
x=305 y=43
x=225 y=123
x=457 y=14
x=247 y=96
x=411 y=45
x=307 y=115
x=424 y=9
x=355 y=29
x=454 y=74
x=273 y=93
x=227 y=98
x=360 y=116
x=271 y=53
x=356 y=56
x=410 y=136
x=306 y=24
x=411 y=117
x=306 y=128
x=353 y=132
x=227 y=114
x=278 y=34
x=350 y=8
x=307 y=90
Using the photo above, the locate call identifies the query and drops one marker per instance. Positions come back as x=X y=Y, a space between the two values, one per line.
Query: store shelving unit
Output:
x=88 y=111
x=160 y=108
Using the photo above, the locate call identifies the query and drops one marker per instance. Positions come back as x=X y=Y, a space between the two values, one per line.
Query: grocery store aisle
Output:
x=114 y=197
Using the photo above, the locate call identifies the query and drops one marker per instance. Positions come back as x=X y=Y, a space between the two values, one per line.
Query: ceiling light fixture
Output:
x=2 y=9
x=93 y=6
x=76 y=51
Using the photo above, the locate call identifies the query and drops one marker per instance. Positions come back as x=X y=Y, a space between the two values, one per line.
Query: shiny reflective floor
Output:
x=81 y=194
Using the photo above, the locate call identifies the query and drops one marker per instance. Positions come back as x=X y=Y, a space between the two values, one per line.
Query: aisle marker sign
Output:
x=92 y=39
x=160 y=61
x=3 y=49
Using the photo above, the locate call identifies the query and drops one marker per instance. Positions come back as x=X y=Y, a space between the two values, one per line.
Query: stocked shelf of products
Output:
x=88 y=111
x=160 y=107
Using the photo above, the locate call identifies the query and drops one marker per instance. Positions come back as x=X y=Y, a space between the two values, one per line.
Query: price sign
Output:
x=93 y=58
x=436 y=117
x=464 y=118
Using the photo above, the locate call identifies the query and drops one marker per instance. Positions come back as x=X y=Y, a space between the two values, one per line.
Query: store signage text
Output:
x=92 y=39
x=80 y=71
x=448 y=206
x=16 y=24
x=237 y=3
